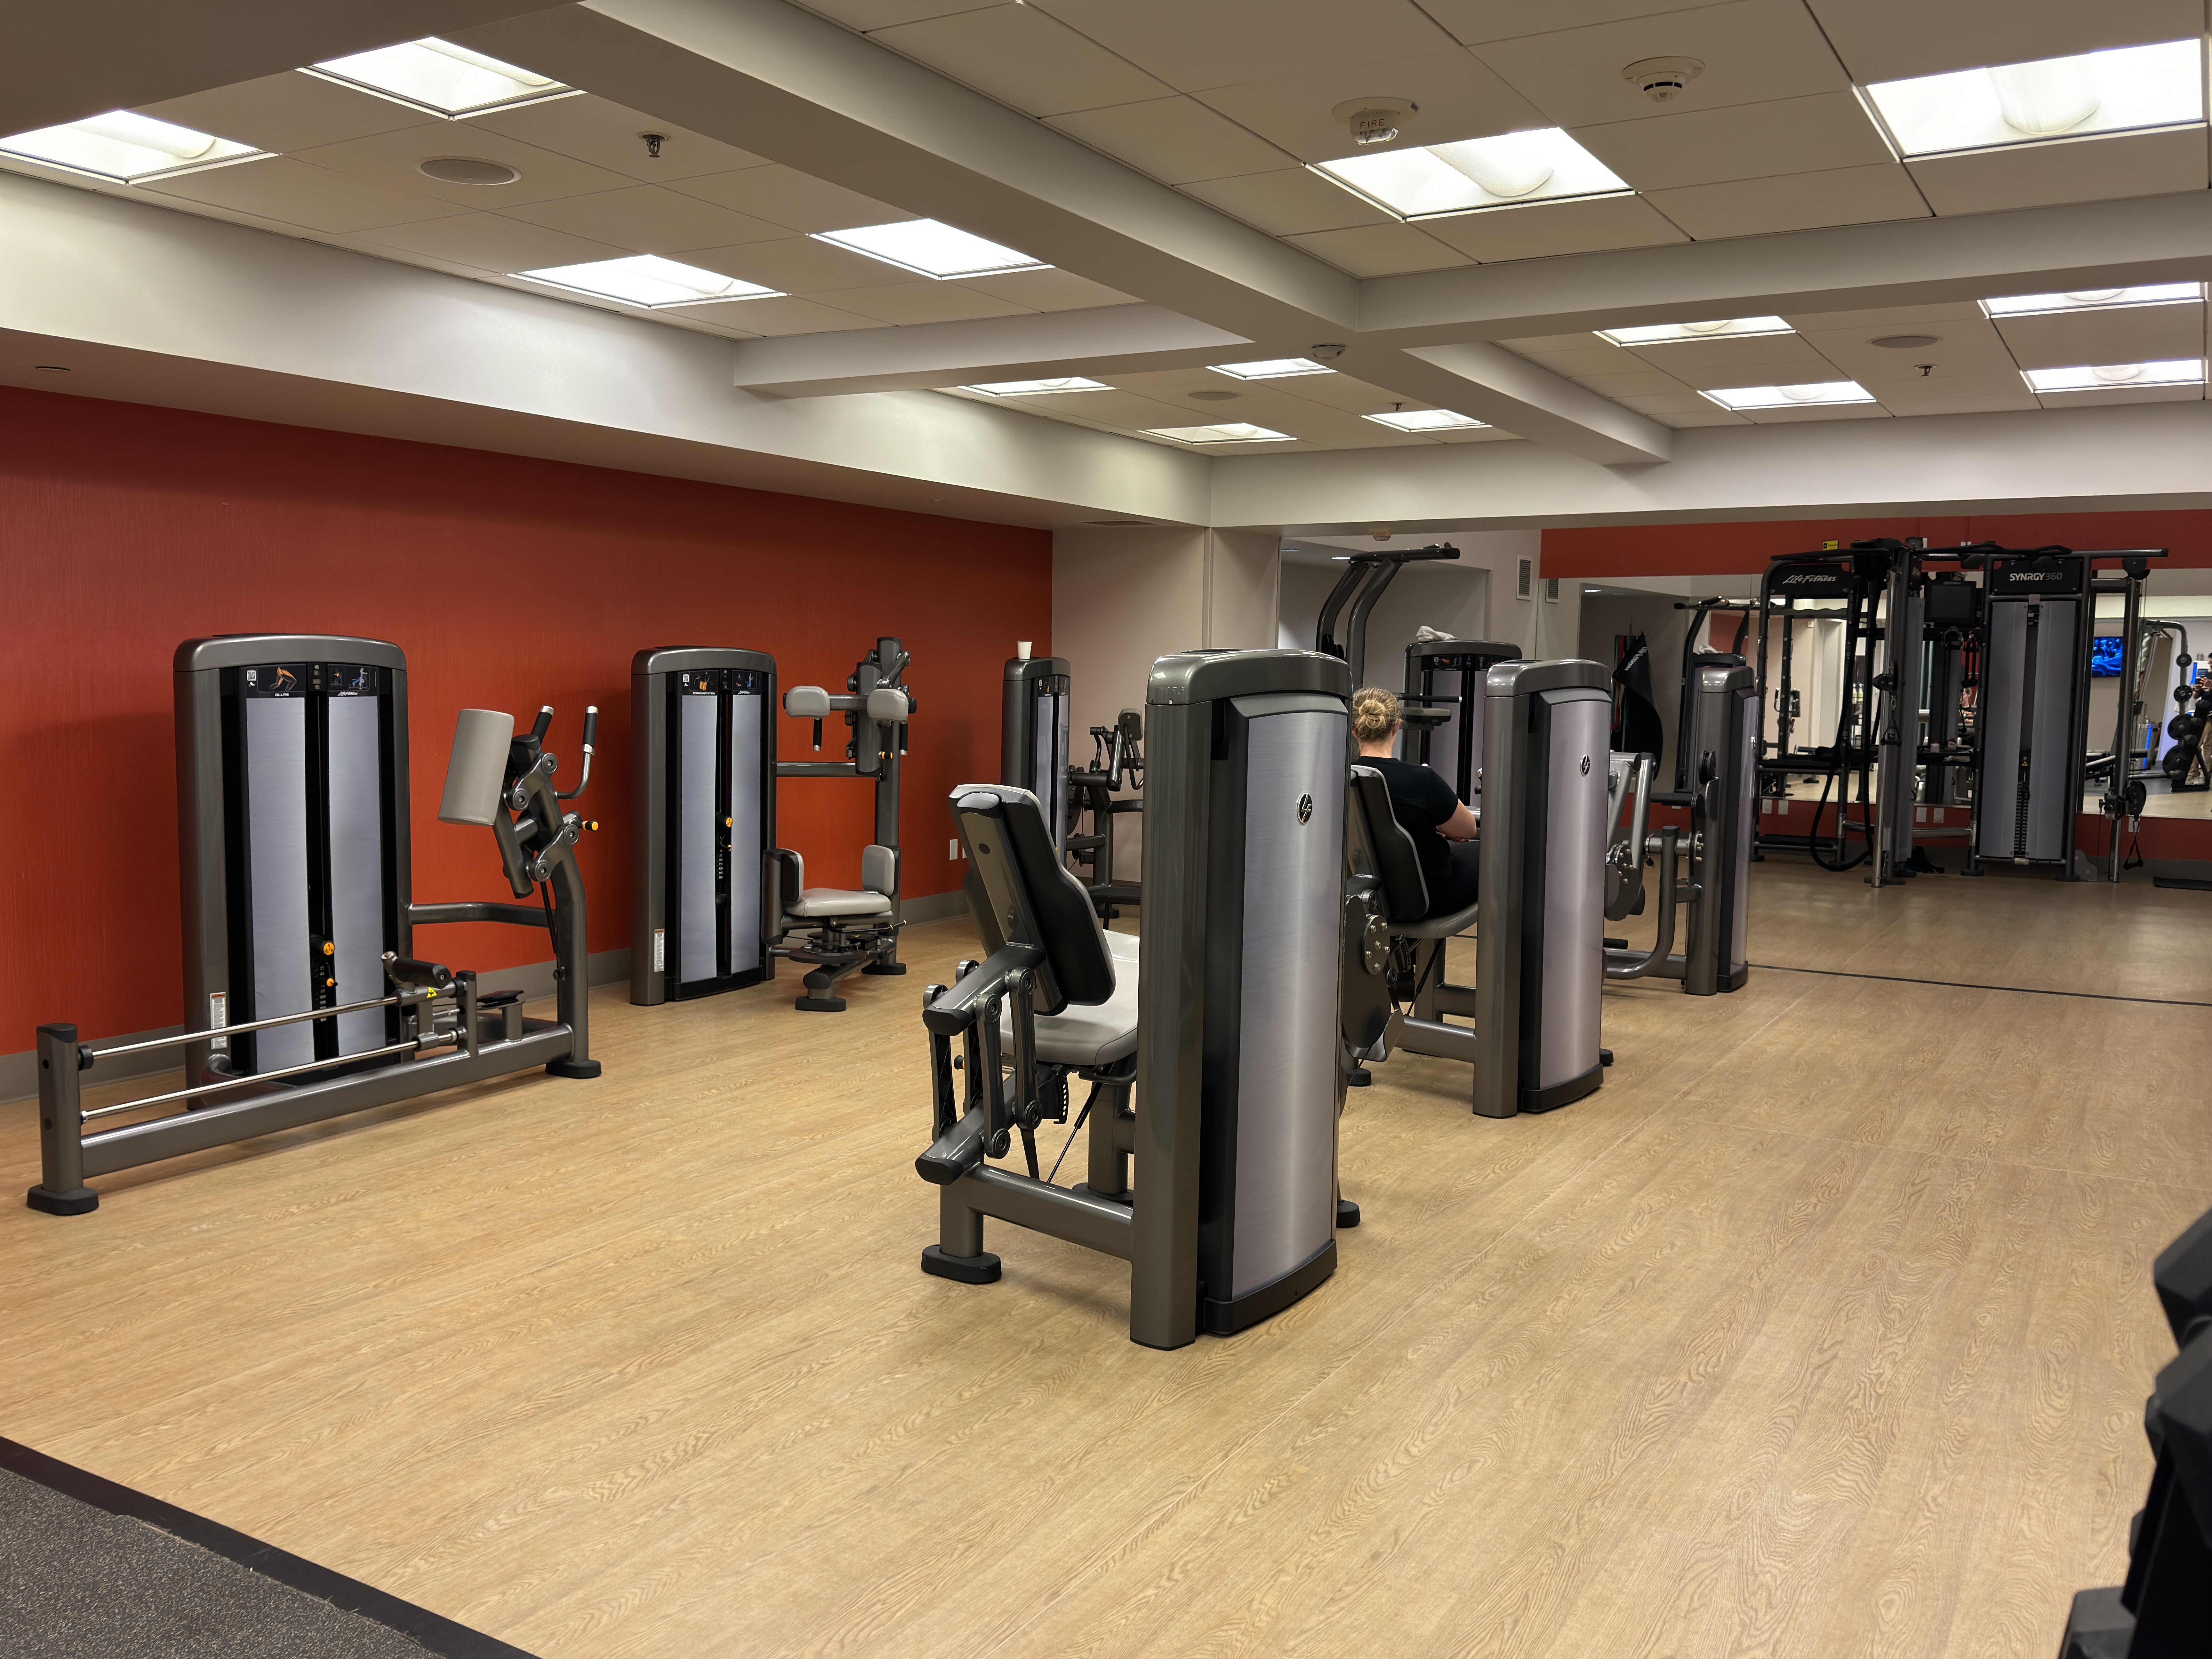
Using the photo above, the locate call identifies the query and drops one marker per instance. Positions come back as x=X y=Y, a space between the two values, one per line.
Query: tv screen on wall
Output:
x=2105 y=655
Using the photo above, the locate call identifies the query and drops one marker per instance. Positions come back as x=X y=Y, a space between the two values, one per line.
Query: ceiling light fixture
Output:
x=2125 y=89
x=1544 y=164
x=2181 y=371
x=126 y=147
x=928 y=248
x=648 y=280
x=2096 y=299
x=1272 y=368
x=1660 y=333
x=1790 y=397
x=1426 y=420
x=1036 y=388
x=1232 y=432
x=440 y=78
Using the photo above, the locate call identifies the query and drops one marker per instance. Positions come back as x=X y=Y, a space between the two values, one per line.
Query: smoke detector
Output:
x=1662 y=79
x=1375 y=121
x=1325 y=354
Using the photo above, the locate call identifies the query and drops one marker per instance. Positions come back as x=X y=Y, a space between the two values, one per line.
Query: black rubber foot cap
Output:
x=1605 y=1056
x=572 y=1067
x=1358 y=1080
x=820 y=1005
x=81 y=1200
x=962 y=1269
x=1347 y=1213
x=884 y=968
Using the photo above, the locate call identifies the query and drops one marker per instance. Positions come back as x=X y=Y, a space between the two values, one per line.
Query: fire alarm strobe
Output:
x=1376 y=120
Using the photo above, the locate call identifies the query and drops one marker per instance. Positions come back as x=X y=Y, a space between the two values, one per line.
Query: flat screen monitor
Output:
x=2105 y=655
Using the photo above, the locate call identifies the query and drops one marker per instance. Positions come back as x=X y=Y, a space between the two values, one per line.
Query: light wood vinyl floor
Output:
x=1823 y=1329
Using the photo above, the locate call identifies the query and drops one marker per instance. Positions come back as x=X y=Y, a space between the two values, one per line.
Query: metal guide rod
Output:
x=407 y=1046
x=248 y=1025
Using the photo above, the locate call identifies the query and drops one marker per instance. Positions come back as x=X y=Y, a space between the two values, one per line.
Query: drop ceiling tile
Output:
x=1380 y=249
x=392 y=159
x=608 y=135
x=1892 y=40
x=1816 y=412
x=793 y=316
x=1177 y=140
x=1048 y=290
x=1171 y=384
x=1341 y=392
x=1477 y=21
x=1663 y=405
x=1488 y=435
x=1631 y=383
x=1814 y=134
x=491 y=241
x=296 y=193
x=1224 y=43
x=1797 y=201
x=1953 y=394
x=1889 y=320
x=648 y=219
x=1752 y=50
x=903 y=303
x=1019 y=55
x=1125 y=411
x=1459 y=97
x=785 y=196
x=2149 y=394
x=1534 y=343
x=1287 y=202
x=1786 y=357
x=1961 y=348
x=287 y=111
x=798 y=265
x=2065 y=170
x=1543 y=229
x=1592 y=356
x=2135 y=334
x=867 y=15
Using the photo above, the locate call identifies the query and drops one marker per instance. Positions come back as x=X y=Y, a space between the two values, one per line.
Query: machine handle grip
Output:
x=544 y=723
x=591 y=726
x=956 y=1151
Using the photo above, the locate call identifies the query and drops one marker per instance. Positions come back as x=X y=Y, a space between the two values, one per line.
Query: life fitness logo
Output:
x=1305 y=808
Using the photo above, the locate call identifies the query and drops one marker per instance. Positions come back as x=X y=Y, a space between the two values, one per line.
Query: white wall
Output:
x=1121 y=598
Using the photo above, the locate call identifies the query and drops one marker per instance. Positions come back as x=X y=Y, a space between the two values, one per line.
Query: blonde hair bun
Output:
x=1375 y=714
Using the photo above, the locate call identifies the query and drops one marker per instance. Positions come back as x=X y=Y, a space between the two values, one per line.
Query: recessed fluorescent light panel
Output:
x=1272 y=368
x=648 y=280
x=2095 y=298
x=1732 y=328
x=1790 y=396
x=1232 y=432
x=1426 y=420
x=1037 y=388
x=930 y=249
x=125 y=147
x=440 y=78
x=2106 y=377
x=2120 y=91
x=1539 y=166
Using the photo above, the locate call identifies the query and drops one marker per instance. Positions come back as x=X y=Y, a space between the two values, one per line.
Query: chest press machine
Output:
x=1224 y=1024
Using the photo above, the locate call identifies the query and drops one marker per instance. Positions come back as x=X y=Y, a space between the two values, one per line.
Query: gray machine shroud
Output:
x=1539 y=930
x=1033 y=737
x=2034 y=710
x=703 y=747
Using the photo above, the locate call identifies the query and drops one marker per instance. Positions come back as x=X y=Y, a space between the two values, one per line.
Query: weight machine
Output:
x=299 y=919
x=1366 y=578
x=1034 y=755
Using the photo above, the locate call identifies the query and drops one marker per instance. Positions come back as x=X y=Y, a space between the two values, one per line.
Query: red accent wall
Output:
x=508 y=582
x=1743 y=548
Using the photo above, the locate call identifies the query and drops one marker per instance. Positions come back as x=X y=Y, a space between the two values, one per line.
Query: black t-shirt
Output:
x=1422 y=802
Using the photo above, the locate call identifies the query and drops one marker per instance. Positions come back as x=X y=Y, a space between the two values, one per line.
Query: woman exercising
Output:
x=1442 y=826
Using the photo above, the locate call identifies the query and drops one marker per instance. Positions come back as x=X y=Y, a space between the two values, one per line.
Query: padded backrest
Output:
x=879 y=869
x=1404 y=889
x=1023 y=894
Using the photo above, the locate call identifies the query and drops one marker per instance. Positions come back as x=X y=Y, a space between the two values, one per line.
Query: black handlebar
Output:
x=544 y=723
x=591 y=726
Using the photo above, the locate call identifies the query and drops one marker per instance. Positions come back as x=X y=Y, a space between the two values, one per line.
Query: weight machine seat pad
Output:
x=1089 y=1034
x=815 y=904
x=1437 y=926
